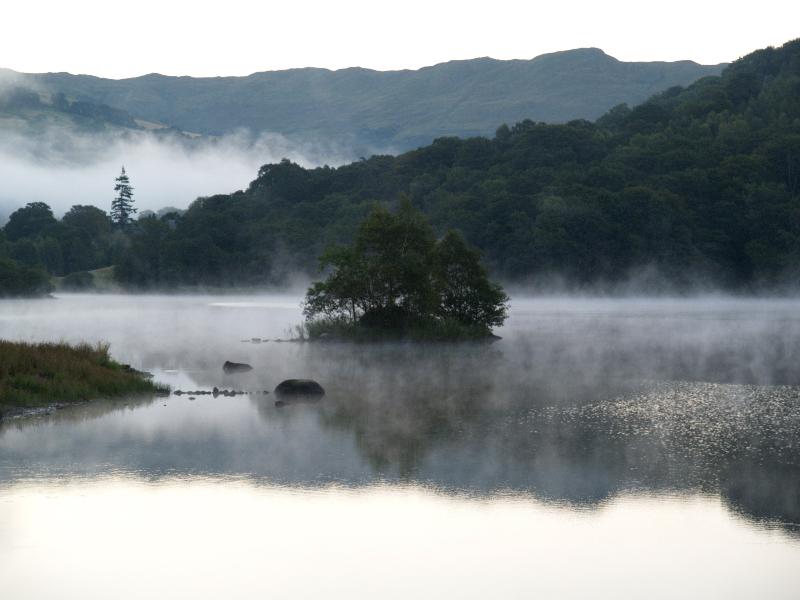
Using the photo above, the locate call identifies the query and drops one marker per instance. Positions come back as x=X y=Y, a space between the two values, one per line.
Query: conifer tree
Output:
x=122 y=207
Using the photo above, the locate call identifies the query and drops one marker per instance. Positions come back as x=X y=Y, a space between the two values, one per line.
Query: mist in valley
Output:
x=63 y=166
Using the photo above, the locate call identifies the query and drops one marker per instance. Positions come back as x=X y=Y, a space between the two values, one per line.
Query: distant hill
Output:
x=56 y=128
x=54 y=124
x=31 y=113
x=369 y=111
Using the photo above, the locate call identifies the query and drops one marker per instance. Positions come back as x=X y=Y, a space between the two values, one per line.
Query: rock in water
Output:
x=299 y=388
x=234 y=367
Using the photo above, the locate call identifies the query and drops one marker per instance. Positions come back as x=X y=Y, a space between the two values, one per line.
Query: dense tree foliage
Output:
x=34 y=244
x=18 y=280
x=461 y=283
x=696 y=183
x=398 y=279
x=33 y=220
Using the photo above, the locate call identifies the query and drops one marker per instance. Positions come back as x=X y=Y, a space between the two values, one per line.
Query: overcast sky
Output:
x=238 y=37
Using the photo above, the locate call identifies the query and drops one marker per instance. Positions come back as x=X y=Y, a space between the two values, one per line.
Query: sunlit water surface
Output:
x=603 y=449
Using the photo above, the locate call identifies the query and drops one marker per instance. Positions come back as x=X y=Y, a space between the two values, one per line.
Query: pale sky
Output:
x=238 y=37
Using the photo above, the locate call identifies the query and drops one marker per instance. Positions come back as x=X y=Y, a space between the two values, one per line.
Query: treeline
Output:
x=696 y=182
x=82 y=240
x=34 y=245
x=701 y=181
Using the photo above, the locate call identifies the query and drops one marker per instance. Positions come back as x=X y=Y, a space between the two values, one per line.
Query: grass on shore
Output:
x=38 y=375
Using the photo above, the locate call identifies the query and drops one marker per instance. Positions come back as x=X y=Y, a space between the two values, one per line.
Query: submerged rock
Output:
x=299 y=388
x=234 y=367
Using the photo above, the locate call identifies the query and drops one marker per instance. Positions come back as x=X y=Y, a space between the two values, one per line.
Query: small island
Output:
x=398 y=281
x=36 y=376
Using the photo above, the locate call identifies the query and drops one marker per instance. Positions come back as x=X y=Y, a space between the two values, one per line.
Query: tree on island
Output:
x=122 y=207
x=397 y=279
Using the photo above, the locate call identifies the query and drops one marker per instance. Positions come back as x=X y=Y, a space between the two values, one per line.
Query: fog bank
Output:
x=62 y=168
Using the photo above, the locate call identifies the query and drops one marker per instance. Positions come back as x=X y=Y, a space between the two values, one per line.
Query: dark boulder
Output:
x=234 y=367
x=299 y=388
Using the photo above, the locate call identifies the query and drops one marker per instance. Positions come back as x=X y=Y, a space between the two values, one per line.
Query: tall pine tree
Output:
x=122 y=206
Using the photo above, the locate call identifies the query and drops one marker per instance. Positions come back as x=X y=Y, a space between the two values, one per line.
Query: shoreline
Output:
x=40 y=378
x=14 y=413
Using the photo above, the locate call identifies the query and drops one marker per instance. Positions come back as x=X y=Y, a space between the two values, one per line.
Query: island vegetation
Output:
x=52 y=374
x=696 y=184
x=398 y=281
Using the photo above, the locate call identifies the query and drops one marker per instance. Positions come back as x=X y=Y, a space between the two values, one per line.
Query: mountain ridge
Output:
x=377 y=111
x=587 y=50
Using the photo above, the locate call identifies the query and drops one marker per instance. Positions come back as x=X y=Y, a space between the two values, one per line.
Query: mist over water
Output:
x=666 y=428
x=668 y=391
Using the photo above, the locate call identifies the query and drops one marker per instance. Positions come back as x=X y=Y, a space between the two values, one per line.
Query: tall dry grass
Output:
x=34 y=375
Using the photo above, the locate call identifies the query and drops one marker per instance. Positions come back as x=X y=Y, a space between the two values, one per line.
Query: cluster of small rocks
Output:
x=256 y=340
x=216 y=392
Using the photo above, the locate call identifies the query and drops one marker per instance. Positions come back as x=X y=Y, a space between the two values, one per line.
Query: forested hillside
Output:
x=698 y=182
x=57 y=128
x=362 y=110
x=19 y=104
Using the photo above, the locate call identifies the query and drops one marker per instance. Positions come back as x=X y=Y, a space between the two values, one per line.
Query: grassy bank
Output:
x=39 y=375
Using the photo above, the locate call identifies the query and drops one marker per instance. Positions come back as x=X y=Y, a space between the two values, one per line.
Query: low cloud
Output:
x=63 y=167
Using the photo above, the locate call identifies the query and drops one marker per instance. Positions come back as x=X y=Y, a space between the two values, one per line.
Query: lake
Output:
x=604 y=448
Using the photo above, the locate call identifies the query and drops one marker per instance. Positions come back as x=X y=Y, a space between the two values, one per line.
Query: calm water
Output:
x=603 y=449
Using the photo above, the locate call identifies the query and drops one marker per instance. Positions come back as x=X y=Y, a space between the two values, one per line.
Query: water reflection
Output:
x=582 y=401
x=210 y=538
x=463 y=427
